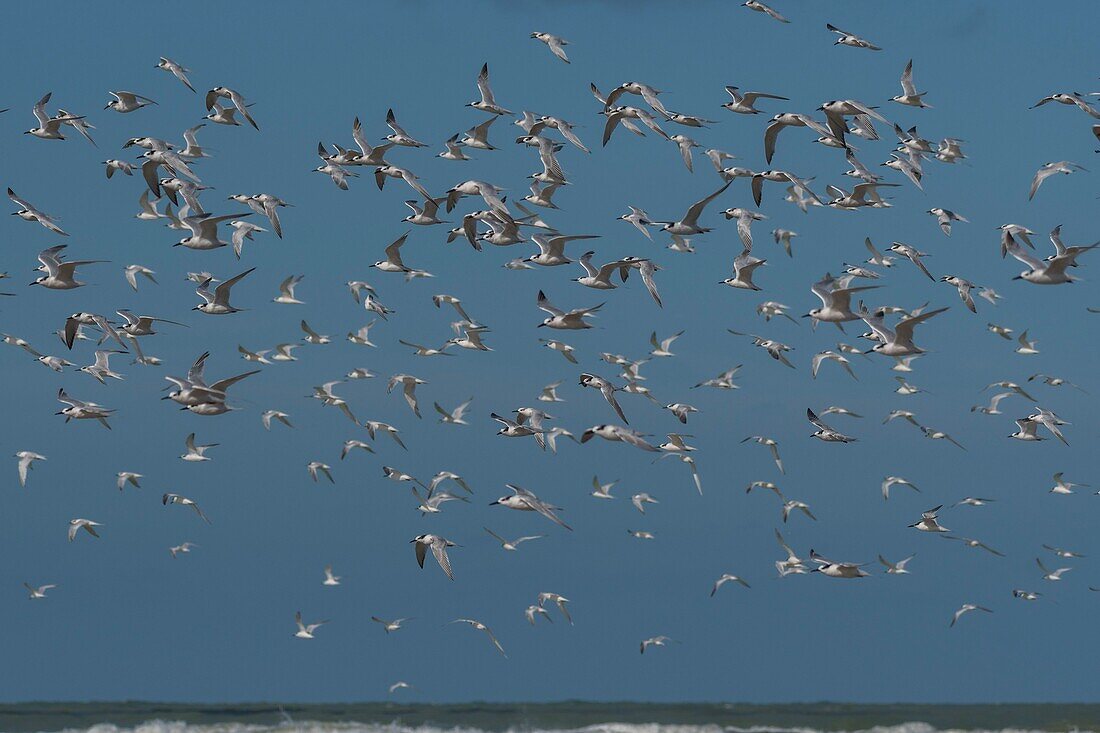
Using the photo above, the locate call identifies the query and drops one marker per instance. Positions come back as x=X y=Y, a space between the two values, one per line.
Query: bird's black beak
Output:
x=492 y=503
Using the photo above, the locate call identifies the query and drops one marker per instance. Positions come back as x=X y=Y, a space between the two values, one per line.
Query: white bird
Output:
x=235 y=98
x=183 y=501
x=771 y=444
x=175 y=69
x=565 y=320
x=317 y=467
x=487 y=103
x=1047 y=170
x=75 y=525
x=744 y=266
x=305 y=631
x=512 y=545
x=388 y=626
x=762 y=8
x=897 y=341
x=330 y=579
x=217 y=302
x=26 y=462
x=967 y=608
x=824 y=432
x=726 y=578
x=602 y=491
x=39 y=592
x=480 y=626
x=129 y=477
x=438 y=545
x=1027 y=346
x=132 y=271
x=554 y=43
x=896 y=568
x=1049 y=574
x=525 y=501
x=928 y=522
x=1061 y=486
x=60 y=274
x=891 y=481
x=945 y=217
x=618 y=433
x=849 y=39
x=824 y=356
x=127 y=102
x=196 y=453
x=833 y=569
x=655 y=641
x=49 y=128
x=640 y=500
x=909 y=95
x=455 y=416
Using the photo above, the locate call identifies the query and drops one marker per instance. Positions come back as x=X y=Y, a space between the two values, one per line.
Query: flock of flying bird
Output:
x=168 y=175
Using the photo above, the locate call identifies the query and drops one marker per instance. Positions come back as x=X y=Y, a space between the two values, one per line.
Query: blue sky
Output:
x=129 y=622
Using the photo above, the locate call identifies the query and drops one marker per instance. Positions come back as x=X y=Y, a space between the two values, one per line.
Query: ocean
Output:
x=561 y=717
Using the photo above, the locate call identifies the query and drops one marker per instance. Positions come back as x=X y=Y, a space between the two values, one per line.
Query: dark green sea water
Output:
x=562 y=716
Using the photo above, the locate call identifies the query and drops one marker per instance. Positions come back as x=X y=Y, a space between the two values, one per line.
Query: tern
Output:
x=217 y=303
x=1051 y=271
x=833 y=569
x=26 y=462
x=1047 y=170
x=525 y=501
x=511 y=545
x=618 y=433
x=455 y=416
x=891 y=481
x=690 y=223
x=1049 y=574
x=80 y=410
x=944 y=217
x=75 y=525
x=286 y=291
x=38 y=592
x=49 y=128
x=967 y=608
x=388 y=626
x=127 y=102
x=129 y=477
x=183 y=501
x=132 y=271
x=897 y=568
x=848 y=39
x=438 y=546
x=487 y=103
x=177 y=70
x=974 y=544
x=60 y=274
x=317 y=467
x=655 y=641
x=899 y=340
x=305 y=631
x=196 y=453
x=477 y=624
x=640 y=500
x=563 y=320
x=909 y=95
x=928 y=522
x=235 y=98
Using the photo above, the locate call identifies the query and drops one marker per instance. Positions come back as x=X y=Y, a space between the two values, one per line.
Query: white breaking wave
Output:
x=162 y=726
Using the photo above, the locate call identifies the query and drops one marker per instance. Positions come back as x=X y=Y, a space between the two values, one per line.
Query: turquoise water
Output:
x=563 y=717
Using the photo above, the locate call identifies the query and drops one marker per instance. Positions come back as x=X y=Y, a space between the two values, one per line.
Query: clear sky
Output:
x=128 y=621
